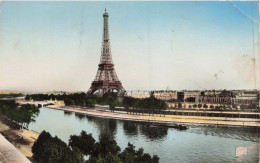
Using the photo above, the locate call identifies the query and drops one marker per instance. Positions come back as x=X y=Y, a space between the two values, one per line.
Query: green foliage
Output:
x=108 y=158
x=48 y=149
x=39 y=144
x=190 y=99
x=106 y=150
x=38 y=97
x=130 y=155
x=84 y=142
x=105 y=145
x=79 y=99
x=205 y=106
x=51 y=149
x=252 y=106
x=11 y=95
x=90 y=102
x=22 y=114
x=146 y=103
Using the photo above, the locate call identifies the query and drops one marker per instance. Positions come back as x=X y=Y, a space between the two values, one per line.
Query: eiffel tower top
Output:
x=106 y=56
x=105 y=14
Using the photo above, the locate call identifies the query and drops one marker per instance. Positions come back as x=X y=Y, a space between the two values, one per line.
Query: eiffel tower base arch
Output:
x=104 y=87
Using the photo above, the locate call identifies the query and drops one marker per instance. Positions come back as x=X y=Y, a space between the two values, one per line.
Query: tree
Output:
x=90 y=102
x=108 y=158
x=48 y=149
x=243 y=107
x=200 y=105
x=252 y=106
x=22 y=114
x=105 y=145
x=84 y=142
x=51 y=149
x=234 y=106
x=195 y=106
x=39 y=144
x=179 y=105
x=146 y=103
x=130 y=155
x=211 y=107
x=205 y=106
x=112 y=104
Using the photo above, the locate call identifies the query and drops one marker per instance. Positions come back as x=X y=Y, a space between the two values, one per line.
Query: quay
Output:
x=163 y=118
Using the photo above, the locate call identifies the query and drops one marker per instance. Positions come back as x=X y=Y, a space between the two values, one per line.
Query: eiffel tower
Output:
x=106 y=79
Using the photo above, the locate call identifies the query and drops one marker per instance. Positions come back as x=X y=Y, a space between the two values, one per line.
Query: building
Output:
x=138 y=94
x=165 y=95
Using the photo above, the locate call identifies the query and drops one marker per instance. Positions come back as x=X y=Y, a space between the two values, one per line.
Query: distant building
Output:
x=191 y=96
x=138 y=94
x=165 y=95
x=225 y=97
x=216 y=97
x=230 y=97
x=246 y=97
x=215 y=100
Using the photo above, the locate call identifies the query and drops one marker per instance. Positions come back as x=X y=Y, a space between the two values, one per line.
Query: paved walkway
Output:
x=11 y=132
x=8 y=153
x=192 y=120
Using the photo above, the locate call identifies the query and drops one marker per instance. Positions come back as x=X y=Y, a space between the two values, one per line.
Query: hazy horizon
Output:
x=46 y=46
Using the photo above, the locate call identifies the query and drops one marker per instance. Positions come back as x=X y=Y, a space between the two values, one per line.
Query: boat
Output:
x=177 y=126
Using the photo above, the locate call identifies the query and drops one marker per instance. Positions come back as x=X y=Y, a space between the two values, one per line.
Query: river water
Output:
x=197 y=144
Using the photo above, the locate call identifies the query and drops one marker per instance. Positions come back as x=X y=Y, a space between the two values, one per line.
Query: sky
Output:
x=46 y=46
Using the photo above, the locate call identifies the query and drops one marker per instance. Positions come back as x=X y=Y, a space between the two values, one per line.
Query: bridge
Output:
x=37 y=103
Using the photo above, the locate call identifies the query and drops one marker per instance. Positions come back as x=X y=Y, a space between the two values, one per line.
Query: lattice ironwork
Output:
x=106 y=79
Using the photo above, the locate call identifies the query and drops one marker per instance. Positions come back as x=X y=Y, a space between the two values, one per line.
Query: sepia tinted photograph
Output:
x=129 y=81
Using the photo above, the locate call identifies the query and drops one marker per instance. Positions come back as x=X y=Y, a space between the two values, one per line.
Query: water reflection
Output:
x=79 y=116
x=67 y=113
x=90 y=118
x=104 y=125
x=249 y=134
x=130 y=128
x=153 y=133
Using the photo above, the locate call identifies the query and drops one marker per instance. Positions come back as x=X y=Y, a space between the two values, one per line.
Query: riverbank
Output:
x=190 y=120
x=10 y=131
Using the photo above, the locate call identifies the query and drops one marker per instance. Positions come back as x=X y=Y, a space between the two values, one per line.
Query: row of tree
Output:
x=11 y=95
x=22 y=114
x=146 y=103
x=81 y=99
x=220 y=107
x=51 y=149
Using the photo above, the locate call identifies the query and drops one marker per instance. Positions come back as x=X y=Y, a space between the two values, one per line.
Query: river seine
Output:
x=197 y=144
